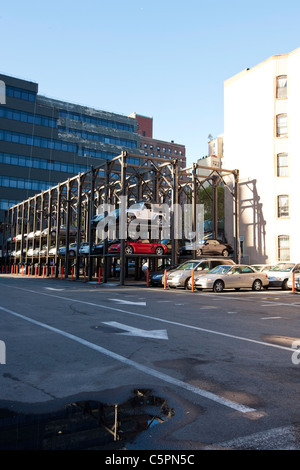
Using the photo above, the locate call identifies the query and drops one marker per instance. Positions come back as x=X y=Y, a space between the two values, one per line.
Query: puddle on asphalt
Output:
x=86 y=424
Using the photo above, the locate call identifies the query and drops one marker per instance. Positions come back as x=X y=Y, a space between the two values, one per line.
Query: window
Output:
x=283 y=248
x=281 y=87
x=282 y=164
x=281 y=125
x=283 y=206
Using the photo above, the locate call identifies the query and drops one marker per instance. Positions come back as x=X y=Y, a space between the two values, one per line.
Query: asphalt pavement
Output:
x=209 y=371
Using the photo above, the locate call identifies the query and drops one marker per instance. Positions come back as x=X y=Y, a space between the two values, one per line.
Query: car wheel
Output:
x=130 y=218
x=218 y=286
x=284 y=285
x=188 y=284
x=257 y=285
x=225 y=253
x=159 y=251
x=72 y=253
x=128 y=250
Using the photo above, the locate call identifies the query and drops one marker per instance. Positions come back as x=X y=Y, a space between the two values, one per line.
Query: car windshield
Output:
x=286 y=267
x=188 y=265
x=220 y=269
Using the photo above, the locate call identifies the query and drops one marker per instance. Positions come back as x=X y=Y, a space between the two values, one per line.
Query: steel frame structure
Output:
x=73 y=203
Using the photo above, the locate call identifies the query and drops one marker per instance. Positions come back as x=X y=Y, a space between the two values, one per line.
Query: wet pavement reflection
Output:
x=86 y=424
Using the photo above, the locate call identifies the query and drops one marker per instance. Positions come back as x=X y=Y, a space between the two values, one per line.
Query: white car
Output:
x=262 y=267
x=181 y=276
x=84 y=248
x=238 y=276
x=146 y=211
x=52 y=251
x=297 y=279
x=72 y=250
x=281 y=273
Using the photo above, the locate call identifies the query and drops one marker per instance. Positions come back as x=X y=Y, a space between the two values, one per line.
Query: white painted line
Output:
x=131 y=331
x=129 y=302
x=270 y=318
x=141 y=367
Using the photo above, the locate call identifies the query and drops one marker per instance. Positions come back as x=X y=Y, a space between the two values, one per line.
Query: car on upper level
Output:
x=139 y=247
x=146 y=211
x=212 y=247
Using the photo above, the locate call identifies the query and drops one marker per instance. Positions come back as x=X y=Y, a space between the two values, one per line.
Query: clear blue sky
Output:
x=167 y=59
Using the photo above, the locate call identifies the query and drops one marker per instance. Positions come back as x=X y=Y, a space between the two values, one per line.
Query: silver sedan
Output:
x=232 y=277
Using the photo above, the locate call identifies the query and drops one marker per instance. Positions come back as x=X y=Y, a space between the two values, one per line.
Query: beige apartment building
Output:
x=261 y=140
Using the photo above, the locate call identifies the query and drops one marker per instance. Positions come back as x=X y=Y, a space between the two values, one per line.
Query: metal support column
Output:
x=91 y=215
x=79 y=207
x=68 y=228
x=215 y=180
x=123 y=219
x=174 y=213
x=237 y=216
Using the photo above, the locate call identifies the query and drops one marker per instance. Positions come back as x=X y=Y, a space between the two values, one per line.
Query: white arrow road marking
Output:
x=131 y=331
x=128 y=302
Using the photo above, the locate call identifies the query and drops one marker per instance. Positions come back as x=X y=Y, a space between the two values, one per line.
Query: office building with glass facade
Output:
x=44 y=141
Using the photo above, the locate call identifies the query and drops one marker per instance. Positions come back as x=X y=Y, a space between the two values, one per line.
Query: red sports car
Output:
x=140 y=246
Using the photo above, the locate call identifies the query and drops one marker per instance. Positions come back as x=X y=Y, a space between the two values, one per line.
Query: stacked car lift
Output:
x=73 y=203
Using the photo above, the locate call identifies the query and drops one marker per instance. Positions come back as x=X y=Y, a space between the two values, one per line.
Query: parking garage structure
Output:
x=64 y=215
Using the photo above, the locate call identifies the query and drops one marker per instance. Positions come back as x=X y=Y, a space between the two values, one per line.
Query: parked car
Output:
x=145 y=211
x=72 y=250
x=43 y=251
x=84 y=248
x=232 y=277
x=206 y=266
x=140 y=246
x=213 y=247
x=111 y=218
x=98 y=248
x=30 y=252
x=262 y=267
x=63 y=230
x=156 y=278
x=297 y=279
x=130 y=266
x=280 y=274
x=187 y=247
x=33 y=252
x=52 y=251
x=180 y=277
